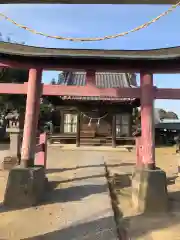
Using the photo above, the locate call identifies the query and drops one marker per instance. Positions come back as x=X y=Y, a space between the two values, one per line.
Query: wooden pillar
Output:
x=114 y=131
x=147 y=120
x=130 y=122
x=31 y=118
x=90 y=78
x=78 y=129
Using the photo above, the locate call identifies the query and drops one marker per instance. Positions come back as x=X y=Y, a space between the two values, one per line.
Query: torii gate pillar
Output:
x=149 y=187
x=26 y=183
x=31 y=118
x=147 y=120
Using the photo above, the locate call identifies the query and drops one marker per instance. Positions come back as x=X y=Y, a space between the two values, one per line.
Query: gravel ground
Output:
x=79 y=206
x=158 y=226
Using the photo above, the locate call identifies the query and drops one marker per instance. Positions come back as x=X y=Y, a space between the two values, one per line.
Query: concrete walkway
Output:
x=77 y=208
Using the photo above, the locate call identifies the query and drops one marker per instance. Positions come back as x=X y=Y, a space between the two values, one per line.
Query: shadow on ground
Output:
x=136 y=227
x=55 y=194
x=171 y=180
x=97 y=229
x=74 y=193
x=77 y=179
x=54 y=170
x=167 y=145
x=4 y=146
x=141 y=225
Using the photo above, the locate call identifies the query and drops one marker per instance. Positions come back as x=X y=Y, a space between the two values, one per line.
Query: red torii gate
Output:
x=37 y=59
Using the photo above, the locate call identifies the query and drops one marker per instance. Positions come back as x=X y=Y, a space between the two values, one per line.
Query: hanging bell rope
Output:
x=145 y=25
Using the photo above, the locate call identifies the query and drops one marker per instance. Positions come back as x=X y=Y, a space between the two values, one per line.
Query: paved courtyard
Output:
x=77 y=205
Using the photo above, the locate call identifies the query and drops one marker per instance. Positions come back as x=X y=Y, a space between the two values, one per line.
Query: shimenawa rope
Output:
x=145 y=25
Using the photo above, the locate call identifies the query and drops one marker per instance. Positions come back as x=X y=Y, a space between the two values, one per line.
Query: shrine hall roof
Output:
x=102 y=80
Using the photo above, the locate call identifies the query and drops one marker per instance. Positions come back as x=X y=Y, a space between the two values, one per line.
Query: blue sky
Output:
x=98 y=20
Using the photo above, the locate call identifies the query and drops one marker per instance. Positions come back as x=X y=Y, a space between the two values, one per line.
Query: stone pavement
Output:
x=77 y=208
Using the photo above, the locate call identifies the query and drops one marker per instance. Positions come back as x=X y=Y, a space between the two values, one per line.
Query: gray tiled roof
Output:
x=102 y=80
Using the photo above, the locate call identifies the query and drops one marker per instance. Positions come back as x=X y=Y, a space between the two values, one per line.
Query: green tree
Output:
x=61 y=78
x=171 y=115
x=53 y=81
x=9 y=75
x=136 y=116
x=52 y=100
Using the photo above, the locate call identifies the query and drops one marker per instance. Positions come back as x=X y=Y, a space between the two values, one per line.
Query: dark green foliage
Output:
x=9 y=75
x=16 y=76
x=53 y=81
x=55 y=100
